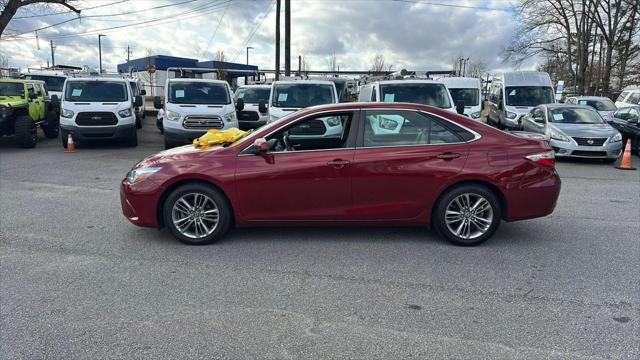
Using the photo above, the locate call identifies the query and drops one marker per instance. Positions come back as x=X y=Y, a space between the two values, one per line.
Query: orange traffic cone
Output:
x=70 y=145
x=625 y=163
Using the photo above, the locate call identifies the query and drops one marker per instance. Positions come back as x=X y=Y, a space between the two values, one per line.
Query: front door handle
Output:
x=448 y=156
x=338 y=163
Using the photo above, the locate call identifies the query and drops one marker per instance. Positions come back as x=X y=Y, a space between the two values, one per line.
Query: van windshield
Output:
x=470 y=97
x=575 y=116
x=253 y=95
x=195 y=92
x=11 y=89
x=426 y=94
x=94 y=91
x=529 y=95
x=53 y=83
x=302 y=95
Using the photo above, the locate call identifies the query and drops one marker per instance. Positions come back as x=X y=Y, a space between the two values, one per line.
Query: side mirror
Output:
x=240 y=104
x=460 y=107
x=262 y=106
x=157 y=102
x=261 y=146
x=539 y=120
x=143 y=92
x=137 y=101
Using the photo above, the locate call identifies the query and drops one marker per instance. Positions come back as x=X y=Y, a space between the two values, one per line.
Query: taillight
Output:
x=546 y=158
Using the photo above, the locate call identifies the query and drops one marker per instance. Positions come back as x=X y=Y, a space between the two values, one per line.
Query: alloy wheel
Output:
x=469 y=216
x=195 y=215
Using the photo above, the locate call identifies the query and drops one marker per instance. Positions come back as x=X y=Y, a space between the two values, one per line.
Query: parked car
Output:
x=25 y=106
x=425 y=92
x=98 y=108
x=603 y=105
x=467 y=90
x=628 y=97
x=251 y=105
x=193 y=106
x=575 y=131
x=627 y=121
x=454 y=174
x=292 y=95
x=514 y=94
x=53 y=80
x=136 y=88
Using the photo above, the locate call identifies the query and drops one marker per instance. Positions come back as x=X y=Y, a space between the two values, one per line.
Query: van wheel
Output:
x=197 y=214
x=467 y=215
x=26 y=131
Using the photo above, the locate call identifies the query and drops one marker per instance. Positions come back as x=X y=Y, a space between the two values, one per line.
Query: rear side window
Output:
x=622 y=96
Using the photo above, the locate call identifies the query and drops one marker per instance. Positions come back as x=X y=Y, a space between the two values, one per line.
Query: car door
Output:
x=398 y=172
x=305 y=174
x=33 y=102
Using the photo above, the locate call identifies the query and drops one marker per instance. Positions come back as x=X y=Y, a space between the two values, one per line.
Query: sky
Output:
x=411 y=34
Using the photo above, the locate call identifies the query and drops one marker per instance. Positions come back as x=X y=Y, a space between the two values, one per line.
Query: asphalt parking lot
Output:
x=79 y=281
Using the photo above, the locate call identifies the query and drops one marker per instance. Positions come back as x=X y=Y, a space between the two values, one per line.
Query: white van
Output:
x=425 y=92
x=251 y=105
x=290 y=96
x=628 y=97
x=136 y=88
x=468 y=90
x=193 y=106
x=514 y=94
x=98 y=108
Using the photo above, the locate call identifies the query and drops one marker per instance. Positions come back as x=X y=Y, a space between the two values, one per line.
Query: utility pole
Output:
x=464 y=69
x=277 y=39
x=246 y=77
x=100 y=50
x=128 y=54
x=53 y=59
x=287 y=37
x=299 y=64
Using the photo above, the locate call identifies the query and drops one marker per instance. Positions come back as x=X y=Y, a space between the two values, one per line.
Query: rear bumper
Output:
x=87 y=133
x=533 y=199
x=139 y=206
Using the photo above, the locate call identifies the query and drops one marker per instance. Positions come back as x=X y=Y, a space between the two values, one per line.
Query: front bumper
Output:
x=85 y=133
x=139 y=204
x=563 y=149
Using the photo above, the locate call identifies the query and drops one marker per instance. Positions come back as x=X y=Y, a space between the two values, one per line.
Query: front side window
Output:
x=622 y=113
x=600 y=105
x=94 y=91
x=425 y=94
x=404 y=128
x=634 y=114
x=302 y=95
x=469 y=96
x=183 y=92
x=321 y=132
x=529 y=95
x=253 y=95
x=11 y=89
x=575 y=116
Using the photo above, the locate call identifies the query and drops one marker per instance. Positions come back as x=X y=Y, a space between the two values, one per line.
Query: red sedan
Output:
x=349 y=164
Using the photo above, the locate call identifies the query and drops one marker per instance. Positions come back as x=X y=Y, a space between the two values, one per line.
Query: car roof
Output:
x=461 y=82
x=590 y=98
x=567 y=106
x=412 y=81
x=526 y=78
x=112 y=79
x=319 y=82
x=198 y=80
x=255 y=86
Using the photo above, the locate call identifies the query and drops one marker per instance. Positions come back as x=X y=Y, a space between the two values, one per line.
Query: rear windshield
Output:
x=471 y=97
x=53 y=83
x=198 y=93
x=11 y=89
x=253 y=95
x=600 y=105
x=426 y=94
x=529 y=95
x=302 y=95
x=95 y=91
x=575 y=116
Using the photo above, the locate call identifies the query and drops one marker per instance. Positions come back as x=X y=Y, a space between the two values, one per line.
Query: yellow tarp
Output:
x=216 y=137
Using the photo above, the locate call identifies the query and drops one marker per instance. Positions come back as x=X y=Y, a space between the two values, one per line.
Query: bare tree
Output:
x=11 y=8
x=377 y=63
x=476 y=68
x=4 y=61
x=221 y=59
x=332 y=62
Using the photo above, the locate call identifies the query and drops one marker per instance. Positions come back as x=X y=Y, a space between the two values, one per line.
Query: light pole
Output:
x=246 y=77
x=100 y=50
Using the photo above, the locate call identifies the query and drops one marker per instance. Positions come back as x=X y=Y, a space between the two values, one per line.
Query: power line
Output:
x=215 y=32
x=485 y=8
x=69 y=11
x=254 y=30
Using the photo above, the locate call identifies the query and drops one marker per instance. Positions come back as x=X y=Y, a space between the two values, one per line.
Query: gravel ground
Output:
x=77 y=280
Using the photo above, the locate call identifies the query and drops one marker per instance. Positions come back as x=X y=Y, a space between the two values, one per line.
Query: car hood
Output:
x=177 y=154
x=12 y=101
x=585 y=130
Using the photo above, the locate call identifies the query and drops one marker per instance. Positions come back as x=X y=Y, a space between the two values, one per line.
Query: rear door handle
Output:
x=338 y=163
x=448 y=156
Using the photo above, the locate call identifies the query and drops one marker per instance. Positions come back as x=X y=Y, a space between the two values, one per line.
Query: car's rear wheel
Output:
x=26 y=131
x=197 y=214
x=51 y=127
x=467 y=215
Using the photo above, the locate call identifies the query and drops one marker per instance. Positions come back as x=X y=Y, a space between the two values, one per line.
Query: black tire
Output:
x=26 y=132
x=225 y=215
x=138 y=122
x=447 y=199
x=132 y=140
x=51 y=127
x=64 y=137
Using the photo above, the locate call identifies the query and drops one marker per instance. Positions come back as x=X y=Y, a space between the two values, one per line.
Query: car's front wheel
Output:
x=197 y=214
x=26 y=131
x=467 y=215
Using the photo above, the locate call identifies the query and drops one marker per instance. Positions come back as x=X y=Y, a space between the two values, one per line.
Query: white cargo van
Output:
x=467 y=90
x=193 y=106
x=514 y=94
x=98 y=108
x=290 y=96
x=251 y=105
x=425 y=92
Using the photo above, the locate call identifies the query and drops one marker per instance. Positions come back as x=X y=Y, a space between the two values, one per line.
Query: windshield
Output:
x=198 y=93
x=253 y=95
x=92 y=90
x=600 y=105
x=470 y=97
x=53 y=83
x=302 y=95
x=575 y=116
x=426 y=94
x=11 y=89
x=529 y=95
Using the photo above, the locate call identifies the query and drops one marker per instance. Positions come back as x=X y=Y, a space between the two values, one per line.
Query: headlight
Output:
x=334 y=121
x=66 y=113
x=124 y=113
x=475 y=115
x=230 y=117
x=511 y=115
x=558 y=136
x=137 y=175
x=172 y=115
x=617 y=137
